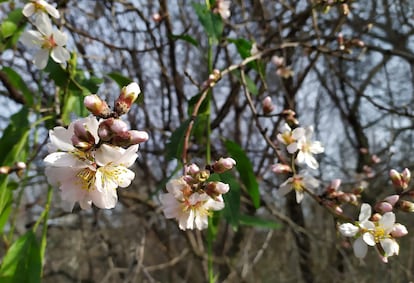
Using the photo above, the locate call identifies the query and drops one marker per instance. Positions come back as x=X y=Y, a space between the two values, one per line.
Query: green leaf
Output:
x=119 y=79
x=22 y=263
x=6 y=201
x=249 y=220
x=176 y=141
x=212 y=23
x=231 y=210
x=8 y=28
x=243 y=46
x=16 y=80
x=184 y=37
x=251 y=86
x=245 y=169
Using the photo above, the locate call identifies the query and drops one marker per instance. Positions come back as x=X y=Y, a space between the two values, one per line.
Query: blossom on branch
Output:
x=50 y=42
x=40 y=9
x=307 y=148
x=299 y=183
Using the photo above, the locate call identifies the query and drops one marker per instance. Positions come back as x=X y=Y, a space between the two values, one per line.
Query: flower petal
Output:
x=60 y=55
x=28 y=9
x=41 y=58
x=387 y=222
x=360 y=248
x=348 y=229
x=365 y=213
x=368 y=239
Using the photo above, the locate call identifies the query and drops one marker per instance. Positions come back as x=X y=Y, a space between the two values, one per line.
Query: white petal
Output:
x=285 y=188
x=387 y=222
x=292 y=148
x=369 y=239
x=41 y=58
x=186 y=220
x=360 y=248
x=298 y=133
x=365 y=213
x=63 y=159
x=60 y=138
x=214 y=204
x=390 y=247
x=43 y=24
x=106 y=199
x=60 y=37
x=316 y=147
x=170 y=205
x=201 y=221
x=60 y=55
x=348 y=229
x=52 y=11
x=31 y=38
x=28 y=9
x=299 y=196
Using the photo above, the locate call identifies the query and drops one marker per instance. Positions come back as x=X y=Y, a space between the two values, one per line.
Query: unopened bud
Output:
x=280 y=168
x=156 y=17
x=375 y=159
x=128 y=95
x=97 y=106
x=376 y=217
x=383 y=207
x=399 y=230
x=267 y=105
x=192 y=169
x=138 y=136
x=278 y=61
x=20 y=165
x=345 y=9
x=117 y=126
x=396 y=178
x=392 y=199
x=406 y=206
x=406 y=176
x=82 y=137
x=344 y=198
x=214 y=189
x=5 y=169
x=335 y=184
x=223 y=165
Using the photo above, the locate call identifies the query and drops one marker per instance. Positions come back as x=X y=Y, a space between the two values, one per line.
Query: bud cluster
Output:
x=192 y=197
x=346 y=44
x=18 y=167
x=213 y=78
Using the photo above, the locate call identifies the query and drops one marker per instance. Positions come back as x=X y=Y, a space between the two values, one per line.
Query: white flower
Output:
x=191 y=209
x=307 y=148
x=88 y=176
x=40 y=8
x=371 y=233
x=223 y=8
x=298 y=183
x=290 y=138
x=49 y=40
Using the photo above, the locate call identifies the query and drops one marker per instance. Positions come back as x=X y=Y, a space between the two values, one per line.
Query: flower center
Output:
x=87 y=179
x=49 y=42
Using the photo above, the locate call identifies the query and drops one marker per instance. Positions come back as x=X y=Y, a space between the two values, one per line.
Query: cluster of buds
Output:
x=89 y=160
x=346 y=45
x=192 y=197
x=213 y=78
x=18 y=167
x=334 y=198
x=281 y=69
x=400 y=180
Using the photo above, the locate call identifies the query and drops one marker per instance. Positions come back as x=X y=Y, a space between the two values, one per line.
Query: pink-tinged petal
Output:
x=222 y=188
x=285 y=188
x=28 y=9
x=60 y=139
x=41 y=58
x=390 y=247
x=387 y=222
x=106 y=199
x=128 y=158
x=170 y=205
x=365 y=213
x=186 y=220
x=175 y=187
x=299 y=196
x=64 y=159
x=31 y=38
x=108 y=154
x=104 y=181
x=367 y=225
x=348 y=229
x=360 y=248
x=60 y=55
x=369 y=239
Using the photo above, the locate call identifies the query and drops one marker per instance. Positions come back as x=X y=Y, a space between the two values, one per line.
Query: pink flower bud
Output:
x=96 y=106
x=192 y=169
x=280 y=168
x=117 y=126
x=215 y=189
x=82 y=137
x=278 y=61
x=406 y=176
x=128 y=95
x=138 y=136
x=392 y=199
x=267 y=105
x=222 y=188
x=383 y=207
x=223 y=165
x=335 y=184
x=375 y=159
x=156 y=17
x=399 y=230
x=396 y=178
x=376 y=217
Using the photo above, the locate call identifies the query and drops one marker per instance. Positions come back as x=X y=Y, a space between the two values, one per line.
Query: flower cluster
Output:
x=222 y=7
x=89 y=160
x=281 y=69
x=379 y=231
x=301 y=148
x=49 y=40
x=192 y=197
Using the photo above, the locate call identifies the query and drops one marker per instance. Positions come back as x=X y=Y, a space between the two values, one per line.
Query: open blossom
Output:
x=380 y=233
x=191 y=209
x=50 y=42
x=290 y=137
x=307 y=148
x=298 y=183
x=88 y=176
x=40 y=9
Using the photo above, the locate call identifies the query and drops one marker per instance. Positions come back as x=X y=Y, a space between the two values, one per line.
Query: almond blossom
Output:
x=87 y=176
x=50 y=42
x=380 y=233
x=40 y=9
x=307 y=148
x=298 y=183
x=223 y=8
x=290 y=137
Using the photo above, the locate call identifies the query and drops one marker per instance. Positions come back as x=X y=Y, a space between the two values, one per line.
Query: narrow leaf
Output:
x=232 y=200
x=185 y=37
x=249 y=220
x=176 y=141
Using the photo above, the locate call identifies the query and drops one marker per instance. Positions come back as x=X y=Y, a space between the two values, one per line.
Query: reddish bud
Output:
x=82 y=137
x=280 y=168
x=376 y=217
x=392 y=199
x=223 y=165
x=128 y=96
x=96 y=106
x=383 y=207
x=192 y=169
x=267 y=105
